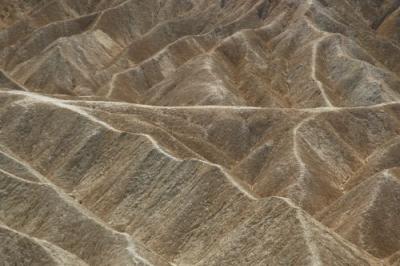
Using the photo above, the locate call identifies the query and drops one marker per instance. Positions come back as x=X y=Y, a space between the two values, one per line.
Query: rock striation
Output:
x=200 y=132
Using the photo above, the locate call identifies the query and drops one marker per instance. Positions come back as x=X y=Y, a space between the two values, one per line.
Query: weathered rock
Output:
x=368 y=214
x=199 y=132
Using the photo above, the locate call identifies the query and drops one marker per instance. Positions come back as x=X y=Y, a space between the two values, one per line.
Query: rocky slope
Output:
x=200 y=132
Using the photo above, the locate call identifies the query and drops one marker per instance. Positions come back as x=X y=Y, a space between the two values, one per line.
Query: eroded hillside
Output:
x=200 y=132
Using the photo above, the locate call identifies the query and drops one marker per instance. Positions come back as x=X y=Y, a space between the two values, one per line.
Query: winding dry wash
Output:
x=199 y=132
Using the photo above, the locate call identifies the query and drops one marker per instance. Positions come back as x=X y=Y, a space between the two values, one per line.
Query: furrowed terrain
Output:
x=200 y=132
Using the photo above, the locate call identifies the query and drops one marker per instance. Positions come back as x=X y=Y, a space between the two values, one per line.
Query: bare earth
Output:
x=199 y=132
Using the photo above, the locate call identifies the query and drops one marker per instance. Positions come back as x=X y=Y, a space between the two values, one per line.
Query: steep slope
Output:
x=21 y=249
x=199 y=132
x=358 y=215
x=197 y=202
x=290 y=232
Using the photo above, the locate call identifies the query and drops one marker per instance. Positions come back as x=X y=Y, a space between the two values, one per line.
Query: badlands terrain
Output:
x=199 y=132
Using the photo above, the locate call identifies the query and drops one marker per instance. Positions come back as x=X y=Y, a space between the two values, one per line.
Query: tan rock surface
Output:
x=183 y=132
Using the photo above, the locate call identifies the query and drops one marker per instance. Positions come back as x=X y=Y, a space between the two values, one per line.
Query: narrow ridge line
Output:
x=44 y=181
x=151 y=139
